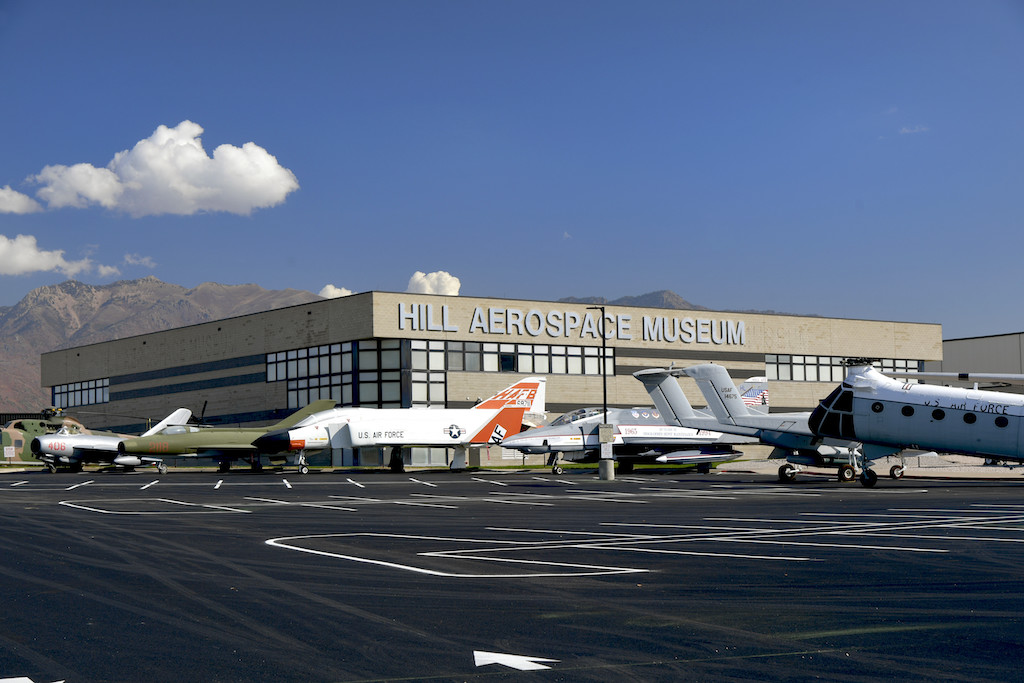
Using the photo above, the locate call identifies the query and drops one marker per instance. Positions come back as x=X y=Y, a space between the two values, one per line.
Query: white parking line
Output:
x=488 y=481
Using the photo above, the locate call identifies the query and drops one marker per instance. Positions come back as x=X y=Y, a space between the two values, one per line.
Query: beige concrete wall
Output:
x=763 y=333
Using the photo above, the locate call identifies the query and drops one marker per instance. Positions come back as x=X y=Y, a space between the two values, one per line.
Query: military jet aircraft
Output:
x=787 y=432
x=223 y=444
x=640 y=435
x=16 y=436
x=488 y=422
x=886 y=414
x=74 y=448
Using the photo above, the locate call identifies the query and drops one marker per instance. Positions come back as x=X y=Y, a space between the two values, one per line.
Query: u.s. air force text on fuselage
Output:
x=566 y=323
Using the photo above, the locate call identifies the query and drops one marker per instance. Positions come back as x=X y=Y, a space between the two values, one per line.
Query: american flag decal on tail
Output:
x=755 y=396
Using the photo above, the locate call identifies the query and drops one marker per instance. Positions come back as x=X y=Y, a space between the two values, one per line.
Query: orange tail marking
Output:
x=506 y=423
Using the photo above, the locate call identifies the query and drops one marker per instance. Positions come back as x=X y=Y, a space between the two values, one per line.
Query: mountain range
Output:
x=74 y=314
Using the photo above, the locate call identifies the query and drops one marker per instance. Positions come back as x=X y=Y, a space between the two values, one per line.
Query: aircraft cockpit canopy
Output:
x=576 y=416
x=180 y=429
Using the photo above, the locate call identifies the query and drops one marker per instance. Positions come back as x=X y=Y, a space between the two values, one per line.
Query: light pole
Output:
x=604 y=351
x=606 y=465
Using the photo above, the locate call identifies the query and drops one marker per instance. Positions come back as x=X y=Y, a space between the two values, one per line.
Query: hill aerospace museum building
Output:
x=391 y=350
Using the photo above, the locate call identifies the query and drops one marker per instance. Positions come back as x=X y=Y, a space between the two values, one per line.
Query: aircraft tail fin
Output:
x=181 y=416
x=666 y=393
x=719 y=391
x=528 y=393
x=303 y=413
x=511 y=404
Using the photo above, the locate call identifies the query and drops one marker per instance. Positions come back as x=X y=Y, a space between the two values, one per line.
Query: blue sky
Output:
x=849 y=159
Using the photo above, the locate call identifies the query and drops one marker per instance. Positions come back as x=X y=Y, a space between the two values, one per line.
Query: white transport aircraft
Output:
x=886 y=414
x=789 y=433
x=70 y=449
x=488 y=422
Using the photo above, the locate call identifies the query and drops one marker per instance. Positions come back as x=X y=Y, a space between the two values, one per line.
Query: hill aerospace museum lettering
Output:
x=570 y=324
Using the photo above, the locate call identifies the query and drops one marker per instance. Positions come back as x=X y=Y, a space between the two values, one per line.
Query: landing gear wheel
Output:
x=847 y=473
x=557 y=469
x=303 y=469
x=161 y=468
x=868 y=478
x=396 y=464
x=787 y=473
x=896 y=471
x=224 y=466
x=625 y=467
x=51 y=468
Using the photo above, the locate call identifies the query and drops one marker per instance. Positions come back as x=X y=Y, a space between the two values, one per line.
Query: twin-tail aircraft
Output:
x=789 y=433
x=639 y=435
x=887 y=414
x=74 y=448
x=486 y=423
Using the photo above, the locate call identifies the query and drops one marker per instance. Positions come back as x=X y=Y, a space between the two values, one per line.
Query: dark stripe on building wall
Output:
x=187 y=386
x=686 y=354
x=193 y=369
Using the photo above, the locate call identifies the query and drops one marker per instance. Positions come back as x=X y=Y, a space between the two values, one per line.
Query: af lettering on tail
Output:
x=526 y=396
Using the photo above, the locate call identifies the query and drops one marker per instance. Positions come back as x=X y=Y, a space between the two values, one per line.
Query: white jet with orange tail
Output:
x=488 y=422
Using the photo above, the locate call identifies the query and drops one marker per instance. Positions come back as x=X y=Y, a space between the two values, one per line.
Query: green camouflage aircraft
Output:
x=223 y=444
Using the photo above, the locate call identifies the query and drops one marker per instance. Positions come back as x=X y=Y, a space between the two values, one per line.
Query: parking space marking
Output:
x=94 y=506
x=541 y=568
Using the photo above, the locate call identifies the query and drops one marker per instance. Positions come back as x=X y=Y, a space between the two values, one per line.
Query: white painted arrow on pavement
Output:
x=519 y=662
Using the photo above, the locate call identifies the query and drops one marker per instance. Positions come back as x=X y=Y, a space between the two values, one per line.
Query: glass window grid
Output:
x=806 y=368
x=370 y=372
x=76 y=394
x=541 y=359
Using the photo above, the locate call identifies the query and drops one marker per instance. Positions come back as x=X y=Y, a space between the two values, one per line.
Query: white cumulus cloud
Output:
x=171 y=173
x=439 y=282
x=12 y=201
x=22 y=255
x=332 y=292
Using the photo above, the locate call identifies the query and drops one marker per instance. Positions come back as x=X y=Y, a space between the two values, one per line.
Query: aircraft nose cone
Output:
x=273 y=442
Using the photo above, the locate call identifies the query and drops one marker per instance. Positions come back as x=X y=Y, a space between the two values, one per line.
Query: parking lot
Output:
x=437 y=575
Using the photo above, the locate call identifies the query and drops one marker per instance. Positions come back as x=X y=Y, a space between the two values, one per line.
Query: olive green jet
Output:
x=223 y=444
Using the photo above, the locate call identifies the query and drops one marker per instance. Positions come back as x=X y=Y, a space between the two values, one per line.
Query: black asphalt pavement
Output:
x=366 y=576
